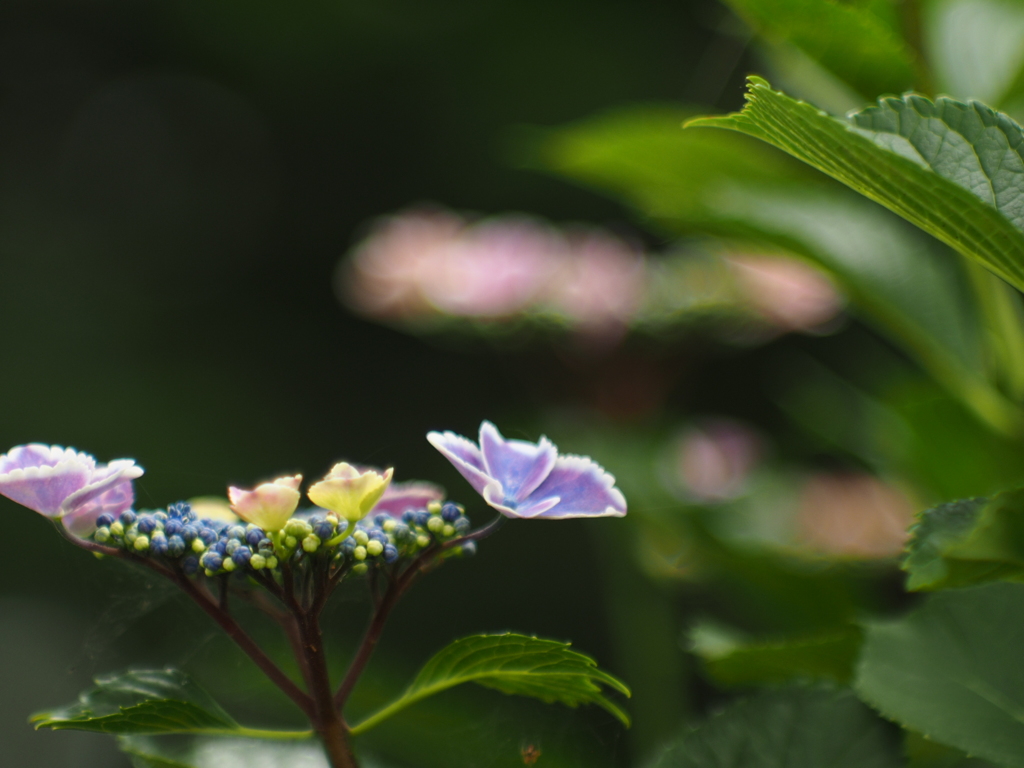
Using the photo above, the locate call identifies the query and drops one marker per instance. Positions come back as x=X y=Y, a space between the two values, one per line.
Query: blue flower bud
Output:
x=181 y=510
x=230 y=546
x=161 y=517
x=462 y=525
x=241 y=555
x=323 y=530
x=254 y=536
x=146 y=524
x=236 y=532
x=380 y=519
x=450 y=512
x=469 y=548
x=265 y=544
x=211 y=561
x=190 y=565
x=189 y=531
x=127 y=518
x=175 y=546
x=158 y=544
x=390 y=553
x=208 y=535
x=401 y=532
x=219 y=546
x=348 y=545
x=173 y=526
x=378 y=535
x=105 y=520
x=422 y=518
x=409 y=516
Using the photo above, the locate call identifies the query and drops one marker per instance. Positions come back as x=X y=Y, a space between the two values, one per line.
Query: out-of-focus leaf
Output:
x=955 y=170
x=735 y=660
x=951 y=670
x=975 y=47
x=789 y=728
x=924 y=753
x=220 y=752
x=514 y=664
x=730 y=186
x=846 y=39
x=966 y=542
x=150 y=702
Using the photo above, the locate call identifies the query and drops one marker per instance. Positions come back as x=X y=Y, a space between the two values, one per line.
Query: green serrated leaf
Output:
x=795 y=727
x=734 y=660
x=966 y=542
x=846 y=39
x=951 y=670
x=955 y=170
x=149 y=701
x=727 y=185
x=516 y=664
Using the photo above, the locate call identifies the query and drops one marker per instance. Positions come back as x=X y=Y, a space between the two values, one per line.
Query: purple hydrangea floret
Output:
x=62 y=483
x=531 y=480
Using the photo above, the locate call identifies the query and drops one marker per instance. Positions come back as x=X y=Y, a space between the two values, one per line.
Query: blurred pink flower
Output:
x=853 y=515
x=788 y=293
x=713 y=462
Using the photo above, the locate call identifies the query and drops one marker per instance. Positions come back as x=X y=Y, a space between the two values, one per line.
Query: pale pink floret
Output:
x=268 y=505
x=530 y=480
x=62 y=483
x=412 y=494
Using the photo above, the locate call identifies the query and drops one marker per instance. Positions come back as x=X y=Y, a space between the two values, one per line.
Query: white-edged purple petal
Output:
x=464 y=455
x=103 y=479
x=41 y=477
x=82 y=520
x=412 y=494
x=520 y=467
x=582 y=488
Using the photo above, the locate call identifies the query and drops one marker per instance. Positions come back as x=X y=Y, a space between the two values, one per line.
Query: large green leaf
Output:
x=846 y=39
x=951 y=670
x=515 y=664
x=728 y=185
x=789 y=728
x=967 y=542
x=953 y=169
x=149 y=702
x=735 y=660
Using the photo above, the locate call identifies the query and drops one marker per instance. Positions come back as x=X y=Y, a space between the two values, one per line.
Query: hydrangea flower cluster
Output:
x=177 y=537
x=285 y=561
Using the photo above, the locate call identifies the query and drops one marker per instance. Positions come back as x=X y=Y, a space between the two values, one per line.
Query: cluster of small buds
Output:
x=215 y=547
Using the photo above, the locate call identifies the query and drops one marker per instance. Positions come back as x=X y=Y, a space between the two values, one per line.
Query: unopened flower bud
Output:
x=389 y=524
x=360 y=537
x=300 y=529
x=271 y=562
x=102 y=535
x=116 y=528
x=198 y=546
x=228 y=565
x=290 y=542
x=448 y=530
x=359 y=553
x=141 y=543
x=374 y=548
x=434 y=507
x=435 y=524
x=311 y=543
x=359 y=569
x=422 y=540
x=258 y=562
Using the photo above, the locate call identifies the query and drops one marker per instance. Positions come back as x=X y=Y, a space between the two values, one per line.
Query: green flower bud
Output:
x=434 y=507
x=422 y=540
x=141 y=542
x=228 y=565
x=131 y=535
x=271 y=562
x=208 y=572
x=290 y=542
x=311 y=543
x=448 y=530
x=332 y=519
x=359 y=569
x=258 y=562
x=435 y=524
x=300 y=529
x=360 y=537
x=198 y=546
x=359 y=553
x=374 y=548
x=102 y=535
x=116 y=528
x=389 y=525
